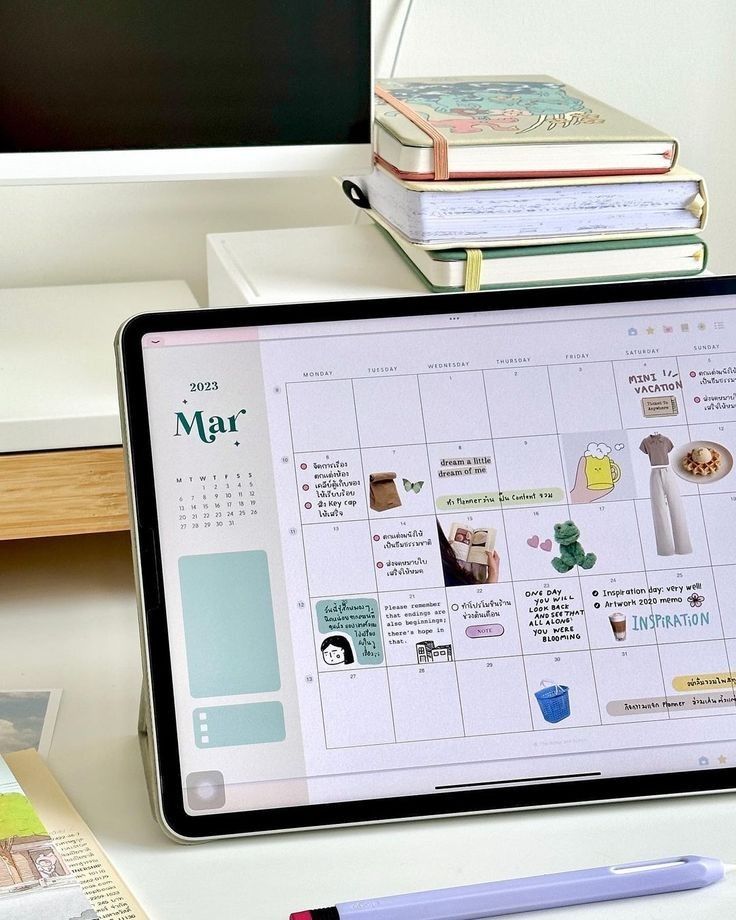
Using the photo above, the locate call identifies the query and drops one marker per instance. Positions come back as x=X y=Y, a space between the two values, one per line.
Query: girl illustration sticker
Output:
x=337 y=650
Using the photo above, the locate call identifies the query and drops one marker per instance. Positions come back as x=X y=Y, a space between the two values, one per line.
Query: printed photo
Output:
x=27 y=719
x=468 y=555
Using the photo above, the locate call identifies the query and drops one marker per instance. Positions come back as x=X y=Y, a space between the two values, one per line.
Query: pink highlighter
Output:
x=562 y=889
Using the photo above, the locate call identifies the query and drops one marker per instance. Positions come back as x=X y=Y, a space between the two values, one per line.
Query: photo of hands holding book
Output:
x=468 y=555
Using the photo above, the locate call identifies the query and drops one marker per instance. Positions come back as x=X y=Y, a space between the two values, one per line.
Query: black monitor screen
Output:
x=157 y=74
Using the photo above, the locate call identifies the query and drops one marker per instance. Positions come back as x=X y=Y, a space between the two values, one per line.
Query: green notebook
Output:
x=561 y=263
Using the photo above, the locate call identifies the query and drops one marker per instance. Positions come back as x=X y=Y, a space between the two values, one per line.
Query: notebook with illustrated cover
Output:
x=504 y=126
x=319 y=649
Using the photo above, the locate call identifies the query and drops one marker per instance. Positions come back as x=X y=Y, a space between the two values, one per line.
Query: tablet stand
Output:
x=145 y=739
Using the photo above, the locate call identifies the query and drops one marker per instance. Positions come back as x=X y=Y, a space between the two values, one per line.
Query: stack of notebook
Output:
x=485 y=182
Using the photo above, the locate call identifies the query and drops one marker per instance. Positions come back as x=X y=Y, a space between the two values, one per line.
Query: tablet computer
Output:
x=434 y=555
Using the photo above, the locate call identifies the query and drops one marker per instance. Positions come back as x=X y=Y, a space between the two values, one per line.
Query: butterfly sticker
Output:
x=410 y=486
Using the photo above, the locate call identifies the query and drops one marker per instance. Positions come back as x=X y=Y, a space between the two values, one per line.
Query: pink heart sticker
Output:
x=533 y=541
x=546 y=545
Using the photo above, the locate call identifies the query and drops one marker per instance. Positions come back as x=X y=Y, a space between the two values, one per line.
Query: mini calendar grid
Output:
x=221 y=500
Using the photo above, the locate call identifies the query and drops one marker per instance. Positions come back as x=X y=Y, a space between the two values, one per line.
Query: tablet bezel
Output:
x=167 y=791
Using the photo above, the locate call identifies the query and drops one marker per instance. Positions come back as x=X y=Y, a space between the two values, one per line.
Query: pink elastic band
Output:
x=439 y=141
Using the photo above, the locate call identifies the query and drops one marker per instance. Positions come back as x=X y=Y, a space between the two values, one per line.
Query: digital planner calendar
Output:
x=425 y=553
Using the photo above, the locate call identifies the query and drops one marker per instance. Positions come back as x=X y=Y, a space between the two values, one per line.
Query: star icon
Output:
x=650 y=330
x=237 y=443
x=184 y=401
x=723 y=759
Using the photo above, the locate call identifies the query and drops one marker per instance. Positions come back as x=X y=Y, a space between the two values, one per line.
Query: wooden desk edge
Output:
x=61 y=492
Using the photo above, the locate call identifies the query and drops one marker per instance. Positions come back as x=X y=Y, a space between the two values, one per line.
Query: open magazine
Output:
x=55 y=874
x=36 y=882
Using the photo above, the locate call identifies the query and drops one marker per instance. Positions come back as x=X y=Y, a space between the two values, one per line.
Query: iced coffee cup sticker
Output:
x=659 y=406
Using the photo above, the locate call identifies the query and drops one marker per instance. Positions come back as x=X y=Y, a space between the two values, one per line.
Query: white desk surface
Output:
x=67 y=619
x=305 y=264
x=57 y=365
x=308 y=264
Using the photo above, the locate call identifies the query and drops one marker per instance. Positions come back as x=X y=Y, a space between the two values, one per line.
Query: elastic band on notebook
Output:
x=439 y=141
x=473 y=266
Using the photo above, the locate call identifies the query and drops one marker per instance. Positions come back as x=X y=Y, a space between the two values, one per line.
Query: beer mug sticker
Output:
x=599 y=466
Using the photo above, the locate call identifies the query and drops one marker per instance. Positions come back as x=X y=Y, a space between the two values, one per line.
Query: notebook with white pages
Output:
x=514 y=211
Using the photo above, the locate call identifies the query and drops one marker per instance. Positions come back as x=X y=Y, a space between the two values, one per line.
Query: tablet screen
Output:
x=415 y=555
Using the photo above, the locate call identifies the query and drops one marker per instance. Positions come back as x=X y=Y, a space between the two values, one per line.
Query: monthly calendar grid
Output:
x=580 y=577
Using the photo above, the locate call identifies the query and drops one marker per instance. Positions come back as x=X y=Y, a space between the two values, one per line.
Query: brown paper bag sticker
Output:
x=383 y=492
x=658 y=406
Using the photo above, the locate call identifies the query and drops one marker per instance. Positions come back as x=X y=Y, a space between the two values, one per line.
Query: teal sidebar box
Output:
x=228 y=624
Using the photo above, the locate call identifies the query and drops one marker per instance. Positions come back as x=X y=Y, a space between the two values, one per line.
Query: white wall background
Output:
x=671 y=63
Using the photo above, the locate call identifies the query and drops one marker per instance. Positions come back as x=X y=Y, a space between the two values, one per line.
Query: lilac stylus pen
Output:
x=495 y=899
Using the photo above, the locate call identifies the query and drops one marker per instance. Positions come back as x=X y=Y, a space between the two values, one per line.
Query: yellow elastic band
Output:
x=472 y=269
x=439 y=141
x=696 y=206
